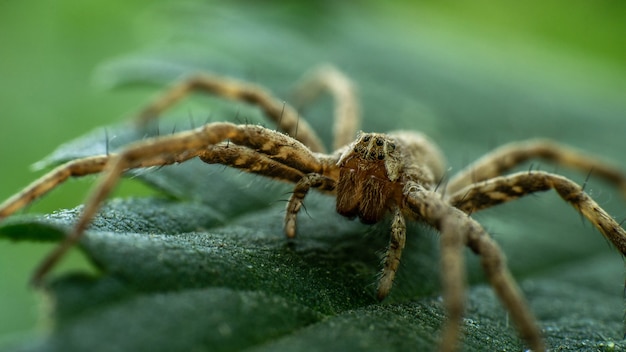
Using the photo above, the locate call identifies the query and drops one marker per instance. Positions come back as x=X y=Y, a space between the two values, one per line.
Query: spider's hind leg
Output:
x=511 y=155
x=285 y=116
x=457 y=229
x=506 y=188
x=347 y=114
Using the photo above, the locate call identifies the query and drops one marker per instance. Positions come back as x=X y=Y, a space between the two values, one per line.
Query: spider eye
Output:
x=366 y=138
x=381 y=156
x=391 y=146
x=379 y=142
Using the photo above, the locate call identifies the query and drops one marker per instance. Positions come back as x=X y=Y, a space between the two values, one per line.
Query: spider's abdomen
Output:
x=365 y=191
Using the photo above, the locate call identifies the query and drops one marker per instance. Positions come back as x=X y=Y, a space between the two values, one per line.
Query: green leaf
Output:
x=206 y=266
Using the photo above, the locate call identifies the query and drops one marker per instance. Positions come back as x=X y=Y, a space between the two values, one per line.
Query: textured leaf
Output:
x=206 y=266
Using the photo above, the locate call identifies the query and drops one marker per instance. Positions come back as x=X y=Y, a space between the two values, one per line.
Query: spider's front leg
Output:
x=391 y=261
x=250 y=161
x=50 y=180
x=75 y=168
x=284 y=152
x=457 y=230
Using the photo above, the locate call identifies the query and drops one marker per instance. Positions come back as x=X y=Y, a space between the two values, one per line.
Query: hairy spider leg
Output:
x=458 y=230
x=75 y=168
x=391 y=260
x=248 y=160
x=503 y=189
x=52 y=179
x=347 y=113
x=285 y=116
x=510 y=155
x=324 y=78
x=177 y=148
x=313 y=180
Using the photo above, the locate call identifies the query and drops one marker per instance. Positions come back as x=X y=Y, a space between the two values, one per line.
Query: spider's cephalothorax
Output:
x=376 y=175
x=368 y=183
x=375 y=168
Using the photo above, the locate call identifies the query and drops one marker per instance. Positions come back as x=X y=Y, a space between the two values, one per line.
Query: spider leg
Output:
x=50 y=180
x=180 y=147
x=248 y=160
x=506 y=188
x=458 y=229
x=274 y=166
x=285 y=116
x=510 y=155
x=301 y=189
x=391 y=260
x=55 y=177
x=347 y=114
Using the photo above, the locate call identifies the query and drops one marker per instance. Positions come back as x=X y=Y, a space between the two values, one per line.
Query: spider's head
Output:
x=373 y=146
x=375 y=154
x=367 y=185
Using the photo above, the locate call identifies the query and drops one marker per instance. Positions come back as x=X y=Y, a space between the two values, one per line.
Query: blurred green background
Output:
x=49 y=52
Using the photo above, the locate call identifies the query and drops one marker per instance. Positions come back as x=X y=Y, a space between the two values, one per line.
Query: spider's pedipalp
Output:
x=317 y=181
x=457 y=230
x=506 y=188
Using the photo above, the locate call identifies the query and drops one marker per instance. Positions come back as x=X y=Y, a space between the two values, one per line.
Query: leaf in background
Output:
x=208 y=268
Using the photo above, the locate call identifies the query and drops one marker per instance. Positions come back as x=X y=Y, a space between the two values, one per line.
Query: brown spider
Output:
x=377 y=174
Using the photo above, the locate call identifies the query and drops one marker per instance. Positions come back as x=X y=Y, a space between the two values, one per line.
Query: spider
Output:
x=395 y=174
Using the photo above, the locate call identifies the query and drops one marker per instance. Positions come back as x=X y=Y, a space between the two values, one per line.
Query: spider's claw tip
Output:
x=290 y=244
x=383 y=291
